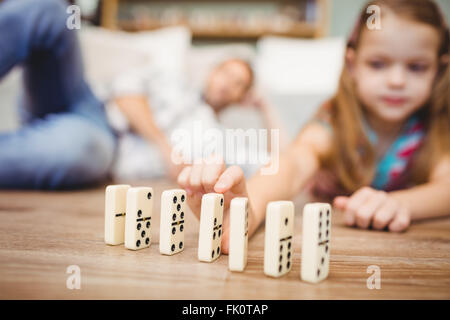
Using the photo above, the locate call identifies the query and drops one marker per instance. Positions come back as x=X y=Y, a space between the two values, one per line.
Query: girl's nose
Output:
x=397 y=77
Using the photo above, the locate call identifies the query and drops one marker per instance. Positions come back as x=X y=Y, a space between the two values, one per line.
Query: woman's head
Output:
x=389 y=74
x=228 y=83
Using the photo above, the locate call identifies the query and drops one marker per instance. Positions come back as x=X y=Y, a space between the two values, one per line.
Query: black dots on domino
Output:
x=221 y=202
x=139 y=226
x=147 y=241
x=182 y=198
x=180 y=245
x=148 y=224
x=282 y=262
x=172 y=248
x=175 y=199
x=320 y=225
x=214 y=252
x=139 y=213
x=288 y=264
x=149 y=195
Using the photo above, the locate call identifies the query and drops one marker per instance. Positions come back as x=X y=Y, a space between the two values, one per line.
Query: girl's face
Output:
x=394 y=68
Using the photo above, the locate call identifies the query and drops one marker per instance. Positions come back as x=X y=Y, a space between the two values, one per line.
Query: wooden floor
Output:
x=41 y=234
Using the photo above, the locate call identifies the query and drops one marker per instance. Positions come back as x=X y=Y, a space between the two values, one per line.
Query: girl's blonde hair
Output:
x=353 y=156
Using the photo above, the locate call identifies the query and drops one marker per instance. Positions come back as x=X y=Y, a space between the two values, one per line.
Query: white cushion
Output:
x=108 y=54
x=299 y=66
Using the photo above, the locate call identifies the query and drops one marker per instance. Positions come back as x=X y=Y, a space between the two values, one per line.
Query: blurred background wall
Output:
x=344 y=13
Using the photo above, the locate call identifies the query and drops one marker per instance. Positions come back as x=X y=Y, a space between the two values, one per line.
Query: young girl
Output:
x=380 y=146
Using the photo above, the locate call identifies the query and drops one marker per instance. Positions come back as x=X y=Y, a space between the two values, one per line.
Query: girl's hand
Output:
x=368 y=207
x=211 y=175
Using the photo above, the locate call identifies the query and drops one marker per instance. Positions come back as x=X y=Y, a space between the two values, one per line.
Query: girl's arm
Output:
x=297 y=165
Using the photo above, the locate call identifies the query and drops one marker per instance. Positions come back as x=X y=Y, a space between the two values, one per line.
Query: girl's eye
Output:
x=416 y=67
x=377 y=64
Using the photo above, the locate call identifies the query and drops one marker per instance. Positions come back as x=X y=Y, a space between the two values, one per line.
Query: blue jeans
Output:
x=65 y=140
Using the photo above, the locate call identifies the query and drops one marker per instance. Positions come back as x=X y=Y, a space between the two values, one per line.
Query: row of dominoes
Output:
x=128 y=213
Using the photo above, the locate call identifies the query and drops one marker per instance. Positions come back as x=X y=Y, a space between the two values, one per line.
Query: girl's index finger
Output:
x=230 y=178
x=183 y=177
x=211 y=174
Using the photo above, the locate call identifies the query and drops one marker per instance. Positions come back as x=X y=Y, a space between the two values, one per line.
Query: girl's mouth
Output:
x=394 y=101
